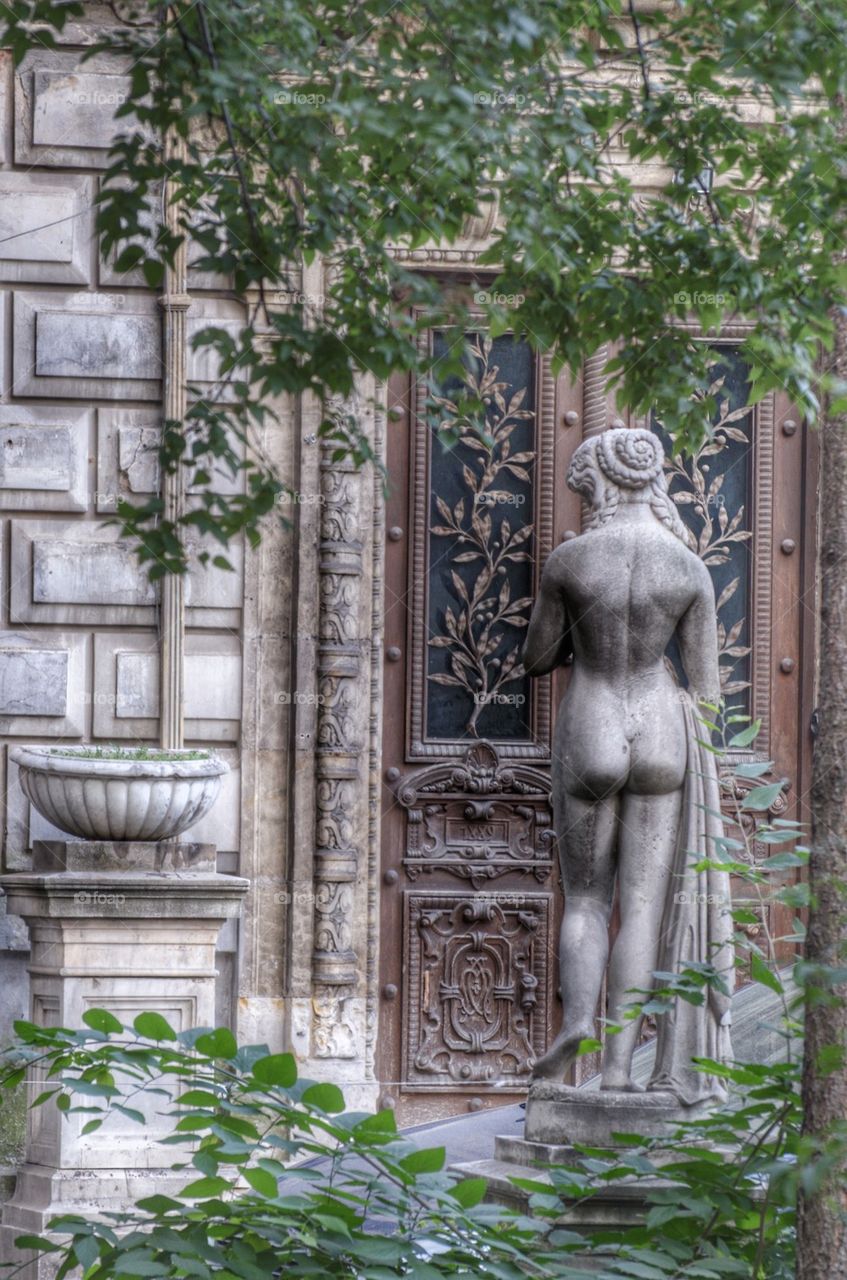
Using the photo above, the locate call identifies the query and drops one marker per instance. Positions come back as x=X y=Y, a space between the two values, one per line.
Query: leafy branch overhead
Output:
x=321 y=143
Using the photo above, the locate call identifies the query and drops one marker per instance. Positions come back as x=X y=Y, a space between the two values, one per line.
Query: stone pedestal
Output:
x=560 y=1118
x=127 y=928
x=560 y=1115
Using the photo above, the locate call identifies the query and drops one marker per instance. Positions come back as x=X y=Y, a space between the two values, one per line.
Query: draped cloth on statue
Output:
x=696 y=927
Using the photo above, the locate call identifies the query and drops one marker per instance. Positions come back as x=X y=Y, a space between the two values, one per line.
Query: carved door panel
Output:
x=470 y=896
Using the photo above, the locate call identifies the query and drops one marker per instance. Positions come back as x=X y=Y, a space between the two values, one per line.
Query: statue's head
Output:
x=623 y=465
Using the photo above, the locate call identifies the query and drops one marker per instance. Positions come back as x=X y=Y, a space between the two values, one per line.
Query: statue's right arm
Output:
x=548 y=643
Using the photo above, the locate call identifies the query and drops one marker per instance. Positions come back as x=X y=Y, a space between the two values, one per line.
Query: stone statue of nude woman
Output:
x=635 y=796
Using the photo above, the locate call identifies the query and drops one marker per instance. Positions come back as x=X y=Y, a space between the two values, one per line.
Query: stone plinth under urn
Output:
x=129 y=928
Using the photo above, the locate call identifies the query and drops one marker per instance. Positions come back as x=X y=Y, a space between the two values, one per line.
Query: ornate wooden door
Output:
x=471 y=901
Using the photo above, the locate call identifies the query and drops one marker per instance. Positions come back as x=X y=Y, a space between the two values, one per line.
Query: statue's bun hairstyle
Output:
x=623 y=458
x=630 y=459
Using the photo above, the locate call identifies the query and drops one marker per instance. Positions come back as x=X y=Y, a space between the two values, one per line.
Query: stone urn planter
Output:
x=97 y=793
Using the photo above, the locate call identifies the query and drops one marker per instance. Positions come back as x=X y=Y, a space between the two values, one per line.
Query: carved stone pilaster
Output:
x=341 y=752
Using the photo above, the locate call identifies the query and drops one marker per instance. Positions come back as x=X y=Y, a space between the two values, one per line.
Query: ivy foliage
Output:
x=308 y=143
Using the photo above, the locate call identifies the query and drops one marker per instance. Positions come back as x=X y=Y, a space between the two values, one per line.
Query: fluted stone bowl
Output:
x=124 y=798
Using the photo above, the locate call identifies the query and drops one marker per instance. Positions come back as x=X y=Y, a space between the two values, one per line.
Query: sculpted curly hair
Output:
x=619 y=459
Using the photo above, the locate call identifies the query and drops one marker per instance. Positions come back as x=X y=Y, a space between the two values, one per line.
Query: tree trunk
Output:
x=822 y=1217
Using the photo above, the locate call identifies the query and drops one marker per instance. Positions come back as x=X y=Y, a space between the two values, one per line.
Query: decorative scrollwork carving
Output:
x=334 y=963
x=478 y=820
x=478 y=988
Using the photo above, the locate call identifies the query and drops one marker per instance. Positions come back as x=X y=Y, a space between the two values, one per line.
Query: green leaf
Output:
x=326 y=1097
x=429 y=1160
x=382 y=1122
x=38 y=1243
x=199 y=1098
x=217 y=1044
x=746 y=736
x=160 y=1204
x=761 y=798
x=102 y=1020
x=760 y=972
x=276 y=1069
x=469 y=1192
x=262 y=1181
x=87 y=1251
x=206 y=1188
x=152 y=1026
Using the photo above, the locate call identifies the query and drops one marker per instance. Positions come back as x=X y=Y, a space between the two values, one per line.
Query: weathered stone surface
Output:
x=204 y=368
x=85 y=100
x=46 y=225
x=84 y=573
x=42 y=683
x=65 y=113
x=128 y=458
x=87 y=346
x=126 y=686
x=212 y=684
x=33 y=683
x=44 y=458
x=113 y=345
x=127 y=855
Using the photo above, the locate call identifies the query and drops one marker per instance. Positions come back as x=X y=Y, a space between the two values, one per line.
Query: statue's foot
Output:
x=623 y=1083
x=561 y=1055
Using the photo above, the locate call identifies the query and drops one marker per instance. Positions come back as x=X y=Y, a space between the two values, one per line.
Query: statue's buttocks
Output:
x=613 y=599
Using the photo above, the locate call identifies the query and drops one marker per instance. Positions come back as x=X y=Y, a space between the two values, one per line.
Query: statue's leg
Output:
x=647 y=843
x=586 y=849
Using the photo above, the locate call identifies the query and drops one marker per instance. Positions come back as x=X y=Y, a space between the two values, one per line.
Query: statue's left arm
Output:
x=698 y=640
x=548 y=642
